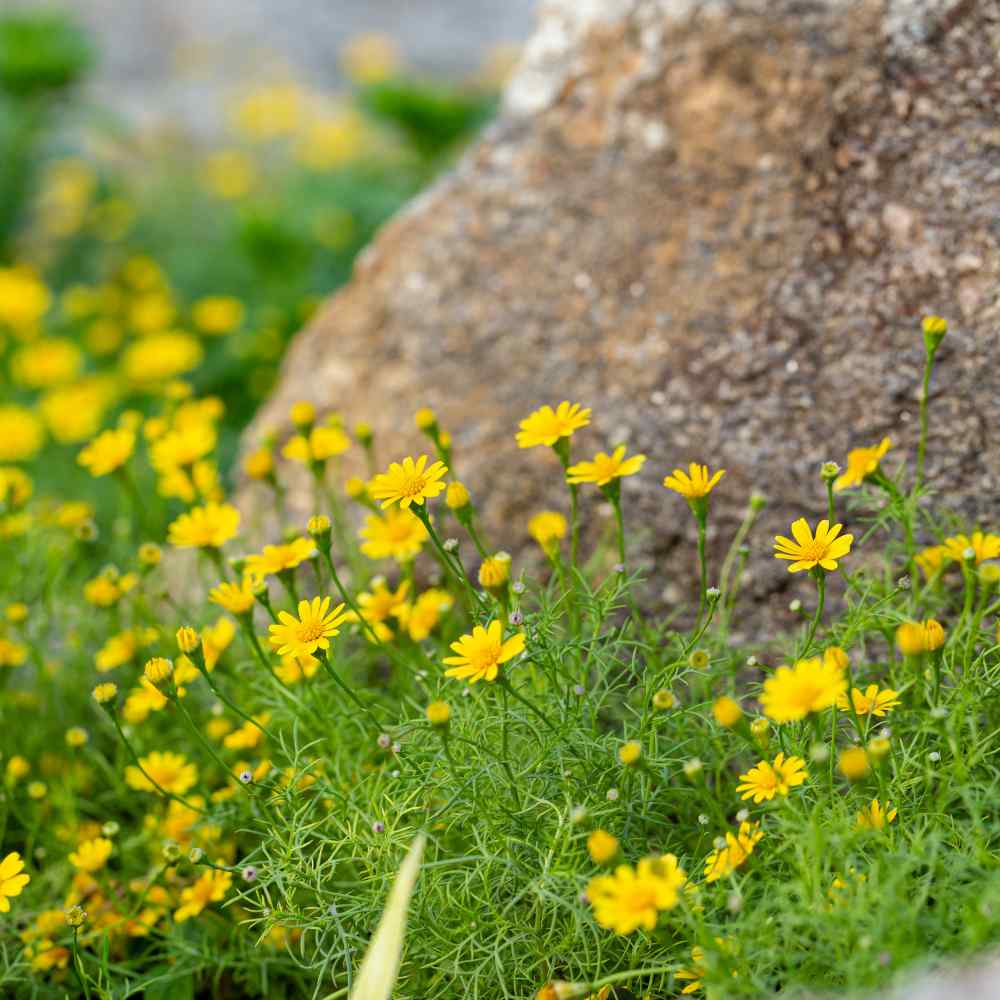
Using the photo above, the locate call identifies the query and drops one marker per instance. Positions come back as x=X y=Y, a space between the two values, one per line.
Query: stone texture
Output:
x=717 y=223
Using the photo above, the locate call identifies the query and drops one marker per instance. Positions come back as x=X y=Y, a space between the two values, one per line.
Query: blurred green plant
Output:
x=42 y=56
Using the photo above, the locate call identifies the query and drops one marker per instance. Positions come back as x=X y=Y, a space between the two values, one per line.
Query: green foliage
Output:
x=41 y=53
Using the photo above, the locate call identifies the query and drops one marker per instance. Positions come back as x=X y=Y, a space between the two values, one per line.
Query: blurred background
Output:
x=185 y=180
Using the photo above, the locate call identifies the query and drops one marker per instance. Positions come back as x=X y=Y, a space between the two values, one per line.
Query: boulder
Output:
x=718 y=223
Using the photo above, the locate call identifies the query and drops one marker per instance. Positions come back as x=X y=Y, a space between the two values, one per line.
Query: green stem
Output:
x=701 y=518
x=924 y=397
x=820 y=577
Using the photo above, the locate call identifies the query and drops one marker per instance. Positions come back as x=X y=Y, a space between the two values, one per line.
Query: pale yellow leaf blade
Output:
x=378 y=971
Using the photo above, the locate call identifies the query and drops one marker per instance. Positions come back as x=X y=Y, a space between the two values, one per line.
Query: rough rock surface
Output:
x=718 y=223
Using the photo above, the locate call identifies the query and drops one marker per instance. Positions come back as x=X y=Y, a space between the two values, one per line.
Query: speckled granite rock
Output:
x=717 y=223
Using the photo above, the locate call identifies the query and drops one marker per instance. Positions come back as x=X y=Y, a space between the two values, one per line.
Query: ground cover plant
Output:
x=231 y=746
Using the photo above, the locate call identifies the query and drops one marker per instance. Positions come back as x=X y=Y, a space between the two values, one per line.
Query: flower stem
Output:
x=820 y=578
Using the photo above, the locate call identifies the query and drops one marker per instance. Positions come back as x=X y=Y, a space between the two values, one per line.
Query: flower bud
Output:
x=727 y=712
x=664 y=699
x=425 y=419
x=630 y=753
x=187 y=639
x=829 y=471
x=934 y=330
x=457 y=496
x=602 y=847
x=438 y=713
x=302 y=414
x=158 y=669
x=693 y=769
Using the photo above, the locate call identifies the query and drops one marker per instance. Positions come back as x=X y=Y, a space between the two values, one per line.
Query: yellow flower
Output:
x=871 y=701
x=21 y=434
x=664 y=699
x=438 y=713
x=91 y=855
x=380 y=603
x=422 y=616
x=217 y=314
x=548 y=528
x=633 y=898
x=694 y=484
x=322 y=443
x=763 y=782
x=604 y=468
x=104 y=693
x=292 y=669
x=73 y=413
x=875 y=816
x=914 y=638
x=457 y=497
x=236 y=598
x=410 y=482
x=810 y=686
x=158 y=669
x=312 y=630
x=602 y=847
x=984 y=546
x=117 y=650
x=546 y=426
x=76 y=737
x=278 y=558
x=107 y=452
x=171 y=771
x=396 y=534
x=727 y=712
x=739 y=846
x=247 y=736
x=259 y=464
x=141 y=701
x=861 y=463
x=160 y=356
x=693 y=976
x=494 y=572
x=302 y=413
x=270 y=111
x=853 y=763
x=17 y=612
x=210 y=888
x=208 y=527
x=808 y=551
x=215 y=640
x=45 y=363
x=933 y=559
x=16 y=487
x=12 y=881
x=480 y=654
x=17 y=768
x=182 y=446
x=24 y=299
x=12 y=654
x=630 y=753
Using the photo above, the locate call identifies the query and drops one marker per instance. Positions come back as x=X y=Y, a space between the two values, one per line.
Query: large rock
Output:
x=717 y=223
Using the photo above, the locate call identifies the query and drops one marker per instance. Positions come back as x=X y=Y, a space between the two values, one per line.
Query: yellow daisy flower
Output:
x=312 y=630
x=480 y=654
x=604 y=468
x=763 y=782
x=914 y=638
x=871 y=701
x=634 y=897
x=107 y=452
x=278 y=558
x=808 y=550
x=812 y=685
x=985 y=546
x=171 y=771
x=739 y=846
x=396 y=534
x=411 y=482
x=861 y=463
x=208 y=527
x=694 y=484
x=12 y=881
x=546 y=426
x=236 y=598
x=875 y=816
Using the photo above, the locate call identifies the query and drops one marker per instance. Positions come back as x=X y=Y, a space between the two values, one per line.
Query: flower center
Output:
x=814 y=551
x=412 y=486
x=309 y=631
